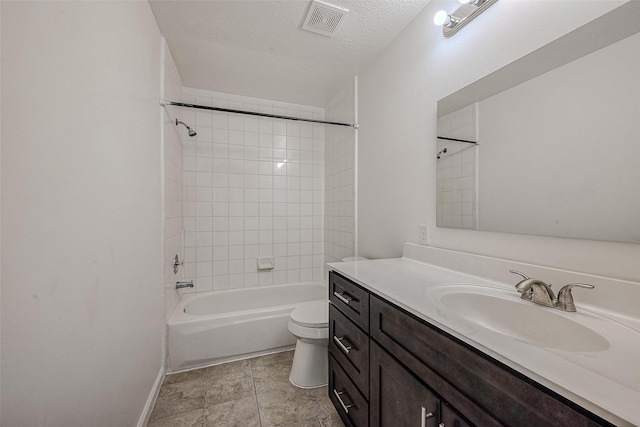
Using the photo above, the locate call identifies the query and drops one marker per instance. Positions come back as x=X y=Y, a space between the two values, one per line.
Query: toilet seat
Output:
x=314 y=314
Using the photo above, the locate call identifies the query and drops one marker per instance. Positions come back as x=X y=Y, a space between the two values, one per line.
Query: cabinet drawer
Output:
x=350 y=298
x=350 y=404
x=476 y=384
x=350 y=346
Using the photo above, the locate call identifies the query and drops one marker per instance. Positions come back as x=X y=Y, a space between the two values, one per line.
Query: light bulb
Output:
x=441 y=18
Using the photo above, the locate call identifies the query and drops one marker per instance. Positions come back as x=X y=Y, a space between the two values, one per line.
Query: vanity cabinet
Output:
x=400 y=370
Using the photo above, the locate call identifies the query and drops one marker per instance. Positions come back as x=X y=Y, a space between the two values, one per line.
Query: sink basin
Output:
x=504 y=312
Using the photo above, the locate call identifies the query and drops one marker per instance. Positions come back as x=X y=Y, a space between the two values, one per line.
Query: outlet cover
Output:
x=423 y=236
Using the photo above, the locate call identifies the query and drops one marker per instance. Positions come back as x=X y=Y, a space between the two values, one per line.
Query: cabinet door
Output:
x=482 y=389
x=450 y=418
x=397 y=398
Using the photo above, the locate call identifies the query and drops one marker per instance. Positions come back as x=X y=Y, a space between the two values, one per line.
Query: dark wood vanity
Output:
x=390 y=368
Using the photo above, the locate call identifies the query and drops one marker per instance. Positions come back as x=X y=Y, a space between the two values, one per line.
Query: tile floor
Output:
x=247 y=393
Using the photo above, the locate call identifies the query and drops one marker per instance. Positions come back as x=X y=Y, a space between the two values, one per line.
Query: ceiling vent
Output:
x=324 y=18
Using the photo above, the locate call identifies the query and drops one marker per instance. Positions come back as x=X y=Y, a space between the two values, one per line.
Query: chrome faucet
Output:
x=539 y=292
x=180 y=285
x=565 y=298
x=534 y=290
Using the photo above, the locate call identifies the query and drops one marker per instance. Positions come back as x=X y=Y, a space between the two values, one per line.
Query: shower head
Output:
x=441 y=152
x=189 y=129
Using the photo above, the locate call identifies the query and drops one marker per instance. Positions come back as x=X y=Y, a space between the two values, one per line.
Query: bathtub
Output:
x=213 y=327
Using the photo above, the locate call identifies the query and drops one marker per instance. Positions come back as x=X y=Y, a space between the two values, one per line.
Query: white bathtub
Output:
x=213 y=327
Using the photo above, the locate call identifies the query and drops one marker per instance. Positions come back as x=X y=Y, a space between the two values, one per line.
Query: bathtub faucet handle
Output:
x=176 y=264
x=180 y=285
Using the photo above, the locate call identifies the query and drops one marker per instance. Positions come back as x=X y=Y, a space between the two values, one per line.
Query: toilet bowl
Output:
x=309 y=322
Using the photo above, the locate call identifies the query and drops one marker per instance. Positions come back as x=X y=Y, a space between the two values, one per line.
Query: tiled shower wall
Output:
x=252 y=187
x=339 y=179
x=456 y=170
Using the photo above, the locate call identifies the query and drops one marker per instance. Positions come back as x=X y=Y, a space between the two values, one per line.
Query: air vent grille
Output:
x=324 y=18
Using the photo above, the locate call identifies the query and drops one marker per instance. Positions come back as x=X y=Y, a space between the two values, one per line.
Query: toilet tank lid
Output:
x=314 y=314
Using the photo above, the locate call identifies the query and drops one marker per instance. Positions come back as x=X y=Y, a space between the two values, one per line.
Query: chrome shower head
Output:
x=189 y=129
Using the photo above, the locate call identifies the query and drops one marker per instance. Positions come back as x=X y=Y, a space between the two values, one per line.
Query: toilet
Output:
x=309 y=322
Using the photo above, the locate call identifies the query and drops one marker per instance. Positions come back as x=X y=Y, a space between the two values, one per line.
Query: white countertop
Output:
x=605 y=382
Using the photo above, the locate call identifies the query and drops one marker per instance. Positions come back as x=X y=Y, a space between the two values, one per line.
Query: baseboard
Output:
x=151 y=400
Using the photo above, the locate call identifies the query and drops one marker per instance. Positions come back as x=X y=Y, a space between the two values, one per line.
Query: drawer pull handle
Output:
x=425 y=415
x=338 y=341
x=338 y=394
x=344 y=297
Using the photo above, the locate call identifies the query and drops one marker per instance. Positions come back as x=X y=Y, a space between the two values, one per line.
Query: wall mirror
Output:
x=558 y=139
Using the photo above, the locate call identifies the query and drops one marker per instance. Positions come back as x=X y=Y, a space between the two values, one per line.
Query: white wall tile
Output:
x=248 y=190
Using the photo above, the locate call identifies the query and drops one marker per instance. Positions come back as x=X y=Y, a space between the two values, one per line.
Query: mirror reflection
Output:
x=558 y=152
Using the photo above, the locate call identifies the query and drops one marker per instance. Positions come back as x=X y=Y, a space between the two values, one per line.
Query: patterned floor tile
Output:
x=320 y=401
x=232 y=386
x=247 y=393
x=186 y=419
x=184 y=376
x=284 y=406
x=227 y=368
x=310 y=422
x=272 y=377
x=284 y=356
x=237 y=413
x=177 y=398
x=330 y=420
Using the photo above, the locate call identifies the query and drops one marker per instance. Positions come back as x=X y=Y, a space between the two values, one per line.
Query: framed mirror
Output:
x=550 y=144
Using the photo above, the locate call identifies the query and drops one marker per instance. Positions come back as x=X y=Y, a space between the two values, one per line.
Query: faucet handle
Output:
x=565 y=298
x=524 y=276
x=523 y=286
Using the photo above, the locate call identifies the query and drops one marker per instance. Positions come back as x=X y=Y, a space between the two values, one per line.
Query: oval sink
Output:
x=505 y=313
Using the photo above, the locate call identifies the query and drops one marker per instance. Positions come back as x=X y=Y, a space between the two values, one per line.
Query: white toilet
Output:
x=309 y=322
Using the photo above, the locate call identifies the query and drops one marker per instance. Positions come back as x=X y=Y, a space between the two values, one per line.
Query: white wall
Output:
x=81 y=270
x=397 y=149
x=253 y=187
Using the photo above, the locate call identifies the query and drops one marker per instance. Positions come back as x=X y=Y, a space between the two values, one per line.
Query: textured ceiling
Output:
x=257 y=48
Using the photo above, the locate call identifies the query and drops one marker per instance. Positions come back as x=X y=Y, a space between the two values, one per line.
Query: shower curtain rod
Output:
x=164 y=102
x=458 y=140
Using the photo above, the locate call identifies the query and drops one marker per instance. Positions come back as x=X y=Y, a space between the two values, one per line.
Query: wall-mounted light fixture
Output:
x=452 y=23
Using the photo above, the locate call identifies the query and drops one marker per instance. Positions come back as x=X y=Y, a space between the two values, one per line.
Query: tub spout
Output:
x=180 y=285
